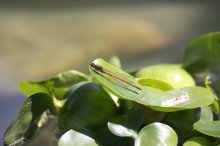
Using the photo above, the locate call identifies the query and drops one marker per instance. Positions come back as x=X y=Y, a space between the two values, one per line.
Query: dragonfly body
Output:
x=99 y=68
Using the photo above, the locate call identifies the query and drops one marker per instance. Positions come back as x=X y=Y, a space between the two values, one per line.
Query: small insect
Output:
x=100 y=69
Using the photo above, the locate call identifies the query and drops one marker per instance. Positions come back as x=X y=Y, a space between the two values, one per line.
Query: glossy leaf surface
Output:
x=74 y=138
x=121 y=131
x=126 y=125
x=172 y=100
x=88 y=107
x=156 y=134
x=165 y=77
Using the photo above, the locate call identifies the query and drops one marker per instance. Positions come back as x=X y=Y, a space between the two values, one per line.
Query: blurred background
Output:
x=39 y=39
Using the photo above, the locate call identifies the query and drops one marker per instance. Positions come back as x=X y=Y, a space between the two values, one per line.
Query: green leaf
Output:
x=68 y=79
x=29 y=88
x=156 y=134
x=57 y=85
x=25 y=124
x=74 y=138
x=165 y=77
x=132 y=119
x=126 y=125
x=87 y=108
x=198 y=141
x=206 y=113
x=215 y=104
x=158 y=84
x=202 y=53
x=206 y=125
x=106 y=138
x=172 y=100
x=182 y=122
x=121 y=131
x=61 y=83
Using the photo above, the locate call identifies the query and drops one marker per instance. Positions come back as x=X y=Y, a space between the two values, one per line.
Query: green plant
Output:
x=165 y=104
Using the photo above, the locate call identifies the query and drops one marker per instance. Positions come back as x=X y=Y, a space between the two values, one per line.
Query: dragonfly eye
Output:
x=92 y=65
x=97 y=67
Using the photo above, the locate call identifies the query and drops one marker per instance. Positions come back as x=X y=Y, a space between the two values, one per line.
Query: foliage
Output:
x=156 y=105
